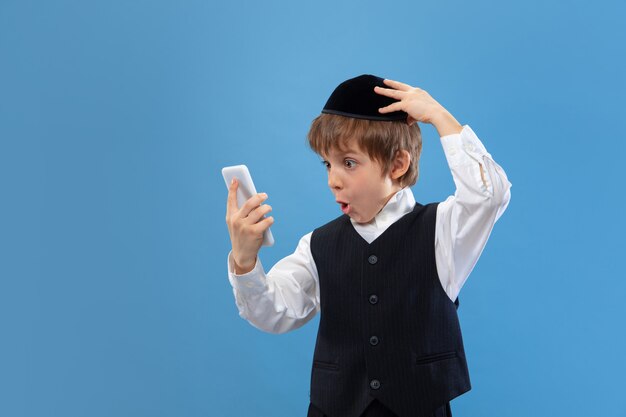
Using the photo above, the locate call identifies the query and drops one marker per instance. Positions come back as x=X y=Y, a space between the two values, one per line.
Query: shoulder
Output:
x=426 y=211
x=424 y=216
x=432 y=209
x=330 y=228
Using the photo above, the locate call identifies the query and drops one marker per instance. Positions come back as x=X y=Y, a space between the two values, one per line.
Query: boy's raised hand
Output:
x=417 y=103
x=246 y=227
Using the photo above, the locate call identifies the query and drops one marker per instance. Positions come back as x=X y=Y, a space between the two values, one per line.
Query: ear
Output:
x=400 y=164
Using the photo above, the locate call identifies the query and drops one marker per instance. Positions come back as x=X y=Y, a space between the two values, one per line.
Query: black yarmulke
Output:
x=356 y=98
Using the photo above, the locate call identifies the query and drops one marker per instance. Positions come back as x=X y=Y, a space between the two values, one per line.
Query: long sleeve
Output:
x=465 y=220
x=285 y=298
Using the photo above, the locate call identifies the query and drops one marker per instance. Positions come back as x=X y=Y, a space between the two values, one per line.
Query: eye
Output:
x=326 y=164
x=349 y=163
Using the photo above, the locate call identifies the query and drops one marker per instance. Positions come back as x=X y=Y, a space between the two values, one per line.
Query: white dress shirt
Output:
x=287 y=296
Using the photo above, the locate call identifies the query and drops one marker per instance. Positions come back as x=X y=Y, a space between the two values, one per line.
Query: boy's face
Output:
x=357 y=183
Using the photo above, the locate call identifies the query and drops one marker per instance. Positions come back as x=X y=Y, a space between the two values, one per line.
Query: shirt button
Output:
x=372 y=259
x=373 y=299
x=373 y=340
x=374 y=384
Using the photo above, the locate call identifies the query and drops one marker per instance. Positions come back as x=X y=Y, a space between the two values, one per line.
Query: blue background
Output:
x=117 y=117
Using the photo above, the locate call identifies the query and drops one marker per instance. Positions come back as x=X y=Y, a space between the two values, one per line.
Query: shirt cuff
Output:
x=250 y=282
x=463 y=148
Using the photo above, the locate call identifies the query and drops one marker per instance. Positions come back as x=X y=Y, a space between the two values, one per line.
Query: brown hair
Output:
x=381 y=140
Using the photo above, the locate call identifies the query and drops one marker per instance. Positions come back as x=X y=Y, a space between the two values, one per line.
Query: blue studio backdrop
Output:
x=117 y=117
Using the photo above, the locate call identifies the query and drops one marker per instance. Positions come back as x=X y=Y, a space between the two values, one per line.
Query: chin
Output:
x=360 y=220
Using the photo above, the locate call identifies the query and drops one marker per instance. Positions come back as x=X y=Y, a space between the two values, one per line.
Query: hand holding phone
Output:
x=245 y=214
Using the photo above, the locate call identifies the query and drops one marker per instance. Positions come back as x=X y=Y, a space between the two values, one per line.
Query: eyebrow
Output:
x=348 y=152
x=342 y=154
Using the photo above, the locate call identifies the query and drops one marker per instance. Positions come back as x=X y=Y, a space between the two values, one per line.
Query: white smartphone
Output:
x=245 y=190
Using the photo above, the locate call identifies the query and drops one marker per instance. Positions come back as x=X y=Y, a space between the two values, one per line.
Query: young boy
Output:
x=385 y=275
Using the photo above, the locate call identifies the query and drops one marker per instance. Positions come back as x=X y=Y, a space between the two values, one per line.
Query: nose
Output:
x=334 y=182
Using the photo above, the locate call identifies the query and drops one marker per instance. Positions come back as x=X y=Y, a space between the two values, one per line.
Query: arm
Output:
x=465 y=220
x=285 y=298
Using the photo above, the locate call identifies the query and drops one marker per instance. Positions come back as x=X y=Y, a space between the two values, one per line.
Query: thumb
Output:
x=231 y=205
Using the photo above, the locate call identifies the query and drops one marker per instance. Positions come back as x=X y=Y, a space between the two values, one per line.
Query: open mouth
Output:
x=345 y=207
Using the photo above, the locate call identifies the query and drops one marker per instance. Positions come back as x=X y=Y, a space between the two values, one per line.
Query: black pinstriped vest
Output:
x=387 y=328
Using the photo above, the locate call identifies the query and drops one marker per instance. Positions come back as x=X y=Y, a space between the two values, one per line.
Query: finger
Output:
x=258 y=213
x=391 y=108
x=263 y=225
x=231 y=203
x=397 y=94
x=252 y=203
x=397 y=85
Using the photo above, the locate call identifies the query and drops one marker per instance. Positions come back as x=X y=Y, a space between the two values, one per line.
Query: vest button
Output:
x=372 y=259
x=374 y=384
x=373 y=340
x=373 y=299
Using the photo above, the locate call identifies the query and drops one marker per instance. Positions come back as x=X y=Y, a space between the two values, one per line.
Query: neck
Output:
x=394 y=191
